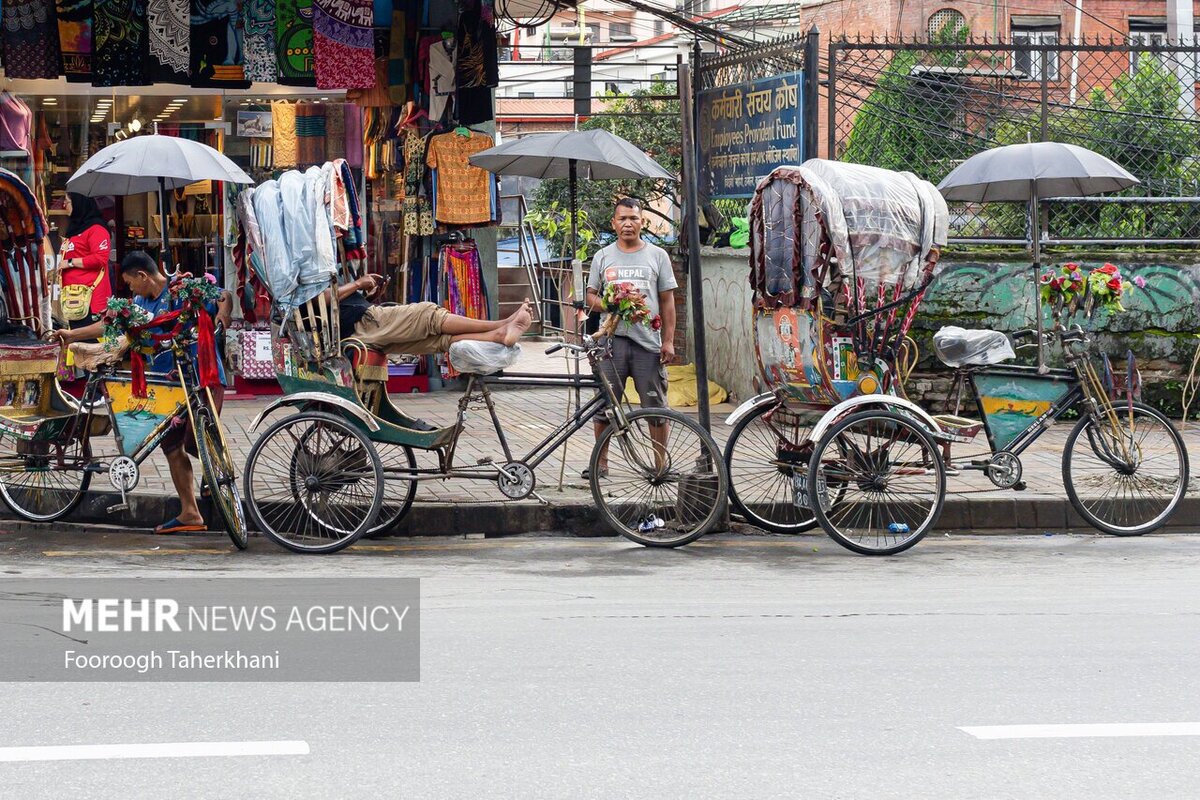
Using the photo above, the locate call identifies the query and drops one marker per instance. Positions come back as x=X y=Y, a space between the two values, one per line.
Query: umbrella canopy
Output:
x=152 y=163
x=1019 y=172
x=596 y=154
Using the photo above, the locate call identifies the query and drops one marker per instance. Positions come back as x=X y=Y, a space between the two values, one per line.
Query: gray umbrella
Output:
x=1025 y=173
x=153 y=163
x=594 y=154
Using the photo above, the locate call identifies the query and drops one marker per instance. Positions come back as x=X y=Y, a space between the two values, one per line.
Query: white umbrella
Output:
x=153 y=163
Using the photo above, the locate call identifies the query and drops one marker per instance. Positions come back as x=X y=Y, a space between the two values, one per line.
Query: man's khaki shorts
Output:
x=415 y=329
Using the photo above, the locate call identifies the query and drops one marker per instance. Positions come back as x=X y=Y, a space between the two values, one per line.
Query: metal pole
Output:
x=831 y=151
x=1035 y=230
x=576 y=269
x=162 y=217
x=691 y=191
x=812 y=92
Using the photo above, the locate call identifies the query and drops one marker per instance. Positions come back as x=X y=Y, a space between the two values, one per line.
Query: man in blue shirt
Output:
x=151 y=291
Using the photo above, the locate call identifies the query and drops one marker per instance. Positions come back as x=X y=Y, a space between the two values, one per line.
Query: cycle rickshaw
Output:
x=841 y=257
x=46 y=435
x=345 y=464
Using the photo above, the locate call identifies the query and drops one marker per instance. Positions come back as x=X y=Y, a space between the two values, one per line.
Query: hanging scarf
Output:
x=216 y=38
x=169 y=24
x=121 y=43
x=259 y=19
x=343 y=44
x=75 y=39
x=294 y=42
x=31 y=47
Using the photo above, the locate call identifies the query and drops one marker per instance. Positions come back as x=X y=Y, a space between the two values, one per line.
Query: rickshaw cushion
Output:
x=369 y=364
x=27 y=357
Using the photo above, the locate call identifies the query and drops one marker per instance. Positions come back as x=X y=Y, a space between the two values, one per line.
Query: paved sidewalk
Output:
x=528 y=415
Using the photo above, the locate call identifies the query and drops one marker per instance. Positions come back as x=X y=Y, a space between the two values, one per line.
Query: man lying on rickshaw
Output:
x=417 y=328
x=151 y=292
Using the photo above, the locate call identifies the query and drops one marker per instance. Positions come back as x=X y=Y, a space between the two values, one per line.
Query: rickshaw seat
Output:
x=957 y=347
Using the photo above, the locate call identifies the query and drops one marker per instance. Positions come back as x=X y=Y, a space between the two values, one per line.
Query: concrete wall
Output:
x=1160 y=324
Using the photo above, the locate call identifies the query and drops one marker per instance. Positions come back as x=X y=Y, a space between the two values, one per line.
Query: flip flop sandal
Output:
x=587 y=474
x=173 y=525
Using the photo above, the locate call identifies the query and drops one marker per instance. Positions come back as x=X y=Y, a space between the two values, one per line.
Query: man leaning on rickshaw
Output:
x=151 y=292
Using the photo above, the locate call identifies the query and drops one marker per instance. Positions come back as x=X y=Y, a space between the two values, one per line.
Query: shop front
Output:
x=404 y=96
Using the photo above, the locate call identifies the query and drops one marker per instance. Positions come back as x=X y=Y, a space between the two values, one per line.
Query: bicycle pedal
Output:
x=484 y=460
x=1019 y=486
x=118 y=507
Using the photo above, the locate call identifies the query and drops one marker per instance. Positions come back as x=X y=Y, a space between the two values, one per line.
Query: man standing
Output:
x=637 y=350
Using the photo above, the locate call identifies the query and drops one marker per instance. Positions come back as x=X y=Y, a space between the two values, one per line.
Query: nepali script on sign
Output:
x=747 y=130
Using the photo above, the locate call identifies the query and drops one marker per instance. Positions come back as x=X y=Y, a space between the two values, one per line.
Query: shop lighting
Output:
x=49 y=101
x=180 y=100
x=135 y=125
x=104 y=102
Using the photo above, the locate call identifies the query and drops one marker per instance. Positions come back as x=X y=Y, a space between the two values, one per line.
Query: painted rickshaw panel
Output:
x=1011 y=399
x=136 y=418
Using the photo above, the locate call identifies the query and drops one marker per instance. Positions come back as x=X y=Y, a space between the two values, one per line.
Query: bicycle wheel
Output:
x=42 y=481
x=889 y=478
x=663 y=494
x=313 y=483
x=220 y=475
x=398 y=492
x=1126 y=480
x=763 y=455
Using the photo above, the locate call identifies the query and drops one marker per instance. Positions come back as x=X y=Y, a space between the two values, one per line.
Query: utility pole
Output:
x=691 y=195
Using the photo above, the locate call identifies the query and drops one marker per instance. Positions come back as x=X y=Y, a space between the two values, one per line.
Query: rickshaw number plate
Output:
x=800 y=491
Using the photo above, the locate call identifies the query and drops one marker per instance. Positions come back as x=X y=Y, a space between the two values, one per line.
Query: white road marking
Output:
x=91 y=752
x=1105 y=729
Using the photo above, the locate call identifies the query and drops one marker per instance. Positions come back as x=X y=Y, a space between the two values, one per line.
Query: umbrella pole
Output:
x=1035 y=229
x=576 y=272
x=165 y=257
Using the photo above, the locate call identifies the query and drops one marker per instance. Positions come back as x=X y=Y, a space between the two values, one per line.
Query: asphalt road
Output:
x=743 y=666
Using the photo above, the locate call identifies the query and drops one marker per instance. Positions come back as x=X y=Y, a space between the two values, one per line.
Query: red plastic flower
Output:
x=1071 y=267
x=1108 y=269
x=656 y=323
x=1115 y=284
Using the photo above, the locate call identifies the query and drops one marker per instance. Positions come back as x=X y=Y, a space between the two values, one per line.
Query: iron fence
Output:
x=925 y=107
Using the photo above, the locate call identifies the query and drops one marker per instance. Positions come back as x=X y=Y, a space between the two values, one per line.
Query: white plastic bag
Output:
x=957 y=346
x=483 y=358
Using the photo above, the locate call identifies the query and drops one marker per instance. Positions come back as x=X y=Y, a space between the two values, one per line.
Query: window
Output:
x=659 y=27
x=618 y=31
x=1036 y=31
x=569 y=87
x=1148 y=31
x=526 y=95
x=946 y=25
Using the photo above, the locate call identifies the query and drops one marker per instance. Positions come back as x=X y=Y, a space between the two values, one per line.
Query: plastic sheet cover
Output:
x=957 y=347
x=483 y=358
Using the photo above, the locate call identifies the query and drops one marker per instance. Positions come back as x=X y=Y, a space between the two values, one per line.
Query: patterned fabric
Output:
x=478 y=63
x=399 y=57
x=376 y=96
x=122 y=44
x=294 y=42
x=31 y=39
x=217 y=55
x=344 y=44
x=75 y=39
x=335 y=132
x=283 y=134
x=310 y=134
x=169 y=23
x=354 y=135
x=258 y=16
x=462 y=191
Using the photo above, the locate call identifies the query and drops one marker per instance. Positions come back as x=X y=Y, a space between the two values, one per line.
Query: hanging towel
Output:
x=75 y=39
x=258 y=17
x=169 y=26
x=122 y=43
x=344 y=44
x=294 y=42
x=31 y=39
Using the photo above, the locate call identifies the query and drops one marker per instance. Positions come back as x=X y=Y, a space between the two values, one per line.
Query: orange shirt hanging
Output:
x=464 y=194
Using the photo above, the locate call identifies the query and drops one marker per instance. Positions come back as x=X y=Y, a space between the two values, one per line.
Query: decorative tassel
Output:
x=137 y=366
x=206 y=351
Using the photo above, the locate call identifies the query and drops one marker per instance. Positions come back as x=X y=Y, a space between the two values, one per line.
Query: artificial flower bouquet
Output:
x=1070 y=289
x=627 y=304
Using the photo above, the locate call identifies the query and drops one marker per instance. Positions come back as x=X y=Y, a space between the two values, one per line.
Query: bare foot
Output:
x=513 y=331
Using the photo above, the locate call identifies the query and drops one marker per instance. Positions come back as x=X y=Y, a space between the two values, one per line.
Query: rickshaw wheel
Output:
x=761 y=464
x=889 y=478
x=314 y=483
x=398 y=493
x=1119 y=498
x=659 y=496
x=221 y=477
x=42 y=481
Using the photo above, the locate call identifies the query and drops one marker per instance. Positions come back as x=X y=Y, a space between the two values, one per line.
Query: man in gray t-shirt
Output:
x=638 y=351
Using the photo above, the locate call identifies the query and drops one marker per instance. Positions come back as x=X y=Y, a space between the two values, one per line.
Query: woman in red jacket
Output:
x=85 y=253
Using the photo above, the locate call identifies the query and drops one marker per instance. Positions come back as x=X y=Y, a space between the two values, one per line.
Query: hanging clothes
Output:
x=217 y=58
x=335 y=132
x=399 y=57
x=16 y=123
x=441 y=85
x=31 y=48
x=283 y=135
x=75 y=39
x=258 y=19
x=294 y=42
x=462 y=276
x=417 y=212
x=310 y=134
x=354 y=135
x=122 y=43
x=169 y=37
x=343 y=44
x=462 y=191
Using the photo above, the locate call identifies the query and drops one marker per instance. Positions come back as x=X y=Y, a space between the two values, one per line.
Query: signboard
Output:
x=747 y=130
